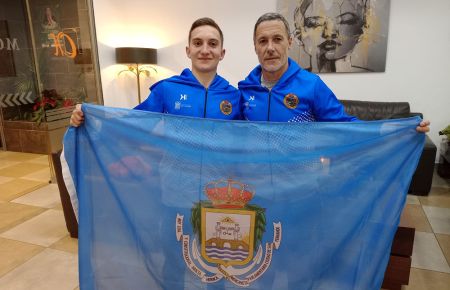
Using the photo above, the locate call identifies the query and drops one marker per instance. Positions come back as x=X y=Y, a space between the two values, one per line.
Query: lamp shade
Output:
x=136 y=55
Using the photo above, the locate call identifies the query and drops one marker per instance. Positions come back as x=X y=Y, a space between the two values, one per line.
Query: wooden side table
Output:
x=399 y=266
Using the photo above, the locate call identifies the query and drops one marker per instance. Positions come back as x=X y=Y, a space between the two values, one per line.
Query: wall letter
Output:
x=12 y=45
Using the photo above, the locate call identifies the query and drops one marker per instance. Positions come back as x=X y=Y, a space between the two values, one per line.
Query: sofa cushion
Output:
x=367 y=111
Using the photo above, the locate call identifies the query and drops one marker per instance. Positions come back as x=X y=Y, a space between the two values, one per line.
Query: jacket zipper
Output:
x=268 y=109
x=206 y=103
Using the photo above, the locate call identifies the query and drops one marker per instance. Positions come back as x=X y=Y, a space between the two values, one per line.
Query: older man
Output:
x=278 y=89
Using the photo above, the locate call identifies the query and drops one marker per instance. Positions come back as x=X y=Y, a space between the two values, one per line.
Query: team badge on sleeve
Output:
x=291 y=101
x=230 y=232
x=225 y=107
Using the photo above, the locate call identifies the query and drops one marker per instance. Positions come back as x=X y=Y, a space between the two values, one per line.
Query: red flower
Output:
x=50 y=101
x=68 y=103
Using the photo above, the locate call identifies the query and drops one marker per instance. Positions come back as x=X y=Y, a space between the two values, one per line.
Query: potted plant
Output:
x=446 y=132
x=444 y=158
x=38 y=127
x=48 y=100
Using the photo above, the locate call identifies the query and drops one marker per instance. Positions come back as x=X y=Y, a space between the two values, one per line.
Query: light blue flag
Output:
x=169 y=202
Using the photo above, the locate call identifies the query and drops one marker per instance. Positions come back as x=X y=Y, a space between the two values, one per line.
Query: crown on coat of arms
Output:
x=227 y=193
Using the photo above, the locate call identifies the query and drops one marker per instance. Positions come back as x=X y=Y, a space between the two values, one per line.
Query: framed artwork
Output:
x=7 y=67
x=338 y=35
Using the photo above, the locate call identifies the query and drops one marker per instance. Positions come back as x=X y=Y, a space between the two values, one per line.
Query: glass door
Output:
x=48 y=63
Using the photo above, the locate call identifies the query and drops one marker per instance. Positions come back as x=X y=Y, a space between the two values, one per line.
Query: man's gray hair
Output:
x=270 y=17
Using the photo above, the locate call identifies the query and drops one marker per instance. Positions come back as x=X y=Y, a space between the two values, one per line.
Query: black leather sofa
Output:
x=367 y=110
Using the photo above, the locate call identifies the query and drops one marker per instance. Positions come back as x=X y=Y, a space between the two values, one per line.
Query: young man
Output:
x=280 y=90
x=199 y=92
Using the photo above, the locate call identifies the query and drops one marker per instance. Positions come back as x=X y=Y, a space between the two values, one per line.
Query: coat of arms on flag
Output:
x=230 y=231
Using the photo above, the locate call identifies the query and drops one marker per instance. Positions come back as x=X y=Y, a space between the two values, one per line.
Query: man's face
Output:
x=272 y=44
x=205 y=49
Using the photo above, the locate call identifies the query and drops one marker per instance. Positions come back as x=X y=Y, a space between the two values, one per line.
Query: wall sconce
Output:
x=137 y=59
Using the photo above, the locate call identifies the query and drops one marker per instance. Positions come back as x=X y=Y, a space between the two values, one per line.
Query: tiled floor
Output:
x=36 y=251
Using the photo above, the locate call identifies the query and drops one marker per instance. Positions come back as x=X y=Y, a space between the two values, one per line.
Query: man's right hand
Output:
x=77 y=117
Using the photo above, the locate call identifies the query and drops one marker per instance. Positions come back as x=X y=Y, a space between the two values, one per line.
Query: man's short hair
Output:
x=205 y=21
x=270 y=17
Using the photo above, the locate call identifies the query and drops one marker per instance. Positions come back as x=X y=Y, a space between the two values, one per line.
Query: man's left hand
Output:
x=423 y=127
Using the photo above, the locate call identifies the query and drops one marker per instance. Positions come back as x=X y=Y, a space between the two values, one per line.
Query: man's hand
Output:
x=423 y=127
x=77 y=117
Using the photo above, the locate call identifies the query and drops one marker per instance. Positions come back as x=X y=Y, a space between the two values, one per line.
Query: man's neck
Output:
x=271 y=76
x=205 y=78
x=268 y=84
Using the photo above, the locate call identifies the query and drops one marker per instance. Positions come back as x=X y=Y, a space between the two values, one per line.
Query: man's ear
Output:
x=188 y=52
x=290 y=42
x=222 y=54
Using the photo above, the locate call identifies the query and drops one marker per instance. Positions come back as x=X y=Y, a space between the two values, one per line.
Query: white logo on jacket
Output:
x=251 y=102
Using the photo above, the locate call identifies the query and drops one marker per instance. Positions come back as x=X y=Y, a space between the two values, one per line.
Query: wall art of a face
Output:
x=329 y=29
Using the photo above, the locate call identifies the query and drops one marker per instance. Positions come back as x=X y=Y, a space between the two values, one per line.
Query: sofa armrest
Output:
x=423 y=176
x=429 y=143
x=413 y=114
